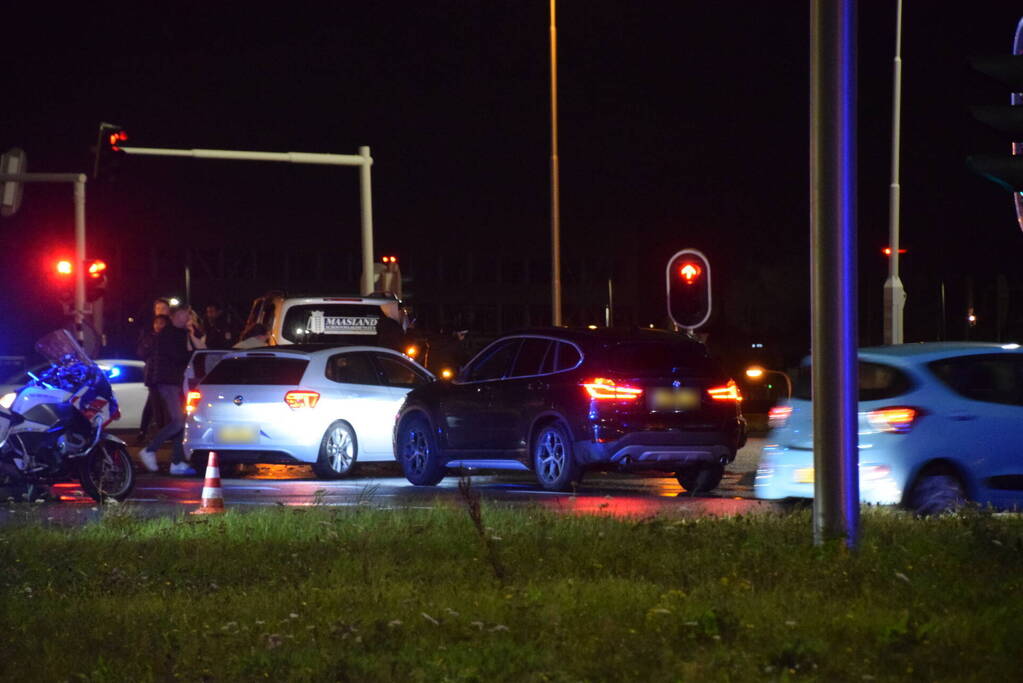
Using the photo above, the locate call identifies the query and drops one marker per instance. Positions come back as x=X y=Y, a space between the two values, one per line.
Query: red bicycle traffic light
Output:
x=688 y=283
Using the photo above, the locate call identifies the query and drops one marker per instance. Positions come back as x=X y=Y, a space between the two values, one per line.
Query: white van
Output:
x=343 y=320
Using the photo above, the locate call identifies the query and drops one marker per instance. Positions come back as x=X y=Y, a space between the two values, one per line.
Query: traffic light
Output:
x=96 y=280
x=1005 y=170
x=108 y=151
x=387 y=276
x=688 y=283
x=63 y=276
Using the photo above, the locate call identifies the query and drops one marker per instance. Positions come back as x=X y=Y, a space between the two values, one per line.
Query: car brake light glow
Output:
x=729 y=392
x=604 y=389
x=192 y=401
x=778 y=416
x=301 y=398
x=897 y=419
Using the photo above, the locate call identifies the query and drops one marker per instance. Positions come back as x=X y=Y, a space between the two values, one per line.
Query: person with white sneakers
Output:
x=172 y=348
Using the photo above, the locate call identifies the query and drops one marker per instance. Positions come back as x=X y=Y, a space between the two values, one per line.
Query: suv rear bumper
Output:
x=662 y=450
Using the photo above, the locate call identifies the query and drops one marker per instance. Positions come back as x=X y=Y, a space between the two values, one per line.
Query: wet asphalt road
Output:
x=382 y=485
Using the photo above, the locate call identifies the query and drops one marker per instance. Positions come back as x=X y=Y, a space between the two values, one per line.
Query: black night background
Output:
x=683 y=124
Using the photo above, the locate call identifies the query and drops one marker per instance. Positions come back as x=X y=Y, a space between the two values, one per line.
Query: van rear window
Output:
x=271 y=370
x=329 y=322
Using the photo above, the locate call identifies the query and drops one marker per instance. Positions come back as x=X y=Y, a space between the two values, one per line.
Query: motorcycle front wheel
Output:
x=106 y=472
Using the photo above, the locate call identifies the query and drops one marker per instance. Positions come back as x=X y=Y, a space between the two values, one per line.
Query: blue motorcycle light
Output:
x=113 y=372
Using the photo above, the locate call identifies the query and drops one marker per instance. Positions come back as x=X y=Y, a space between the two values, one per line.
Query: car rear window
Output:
x=329 y=322
x=661 y=358
x=996 y=378
x=877 y=382
x=272 y=370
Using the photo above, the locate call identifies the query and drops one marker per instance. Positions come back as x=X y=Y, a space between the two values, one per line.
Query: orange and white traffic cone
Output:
x=212 y=495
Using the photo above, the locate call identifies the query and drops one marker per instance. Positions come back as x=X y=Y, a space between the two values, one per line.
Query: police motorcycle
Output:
x=54 y=429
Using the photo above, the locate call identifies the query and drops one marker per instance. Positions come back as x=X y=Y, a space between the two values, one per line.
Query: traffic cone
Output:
x=212 y=495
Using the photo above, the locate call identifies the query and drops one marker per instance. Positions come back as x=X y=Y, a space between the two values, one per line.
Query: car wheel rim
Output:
x=340 y=449
x=939 y=493
x=550 y=456
x=416 y=450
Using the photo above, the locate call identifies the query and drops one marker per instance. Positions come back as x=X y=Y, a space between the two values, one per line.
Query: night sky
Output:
x=682 y=124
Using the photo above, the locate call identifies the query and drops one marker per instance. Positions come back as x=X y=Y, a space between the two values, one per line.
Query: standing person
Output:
x=390 y=331
x=152 y=409
x=218 y=332
x=172 y=348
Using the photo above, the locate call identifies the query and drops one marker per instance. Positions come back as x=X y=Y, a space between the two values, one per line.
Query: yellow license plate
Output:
x=804 y=475
x=675 y=399
x=238 y=434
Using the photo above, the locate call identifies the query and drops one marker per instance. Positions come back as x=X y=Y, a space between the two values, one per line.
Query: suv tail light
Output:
x=778 y=416
x=728 y=392
x=604 y=389
x=301 y=398
x=191 y=401
x=898 y=419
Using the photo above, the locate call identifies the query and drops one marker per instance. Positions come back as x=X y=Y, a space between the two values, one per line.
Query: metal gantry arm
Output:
x=363 y=160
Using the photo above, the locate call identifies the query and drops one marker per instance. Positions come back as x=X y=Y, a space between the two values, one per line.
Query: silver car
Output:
x=327 y=407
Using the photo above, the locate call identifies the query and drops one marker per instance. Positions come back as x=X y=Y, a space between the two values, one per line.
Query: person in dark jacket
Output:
x=153 y=411
x=390 y=331
x=165 y=370
x=218 y=332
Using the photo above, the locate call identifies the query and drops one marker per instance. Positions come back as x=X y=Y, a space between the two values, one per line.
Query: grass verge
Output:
x=428 y=595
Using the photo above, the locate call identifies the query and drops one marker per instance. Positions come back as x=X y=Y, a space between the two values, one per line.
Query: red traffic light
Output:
x=116 y=138
x=690 y=272
x=97 y=269
x=64 y=267
x=689 y=296
x=887 y=251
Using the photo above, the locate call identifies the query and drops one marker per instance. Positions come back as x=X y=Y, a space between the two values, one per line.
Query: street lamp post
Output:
x=894 y=292
x=555 y=181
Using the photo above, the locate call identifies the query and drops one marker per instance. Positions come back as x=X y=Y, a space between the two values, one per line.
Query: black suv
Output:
x=559 y=401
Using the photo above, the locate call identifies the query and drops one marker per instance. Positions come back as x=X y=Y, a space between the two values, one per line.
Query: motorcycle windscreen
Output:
x=60 y=348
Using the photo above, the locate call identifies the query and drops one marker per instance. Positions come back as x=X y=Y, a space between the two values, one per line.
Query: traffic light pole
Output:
x=79 y=270
x=362 y=159
x=833 y=269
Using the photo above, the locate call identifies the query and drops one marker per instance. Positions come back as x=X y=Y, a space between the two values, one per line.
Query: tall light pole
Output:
x=555 y=181
x=894 y=293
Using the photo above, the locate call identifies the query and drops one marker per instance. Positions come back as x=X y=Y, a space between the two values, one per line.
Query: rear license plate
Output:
x=804 y=475
x=237 y=434
x=685 y=398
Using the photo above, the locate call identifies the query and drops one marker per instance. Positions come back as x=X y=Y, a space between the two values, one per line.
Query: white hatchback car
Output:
x=327 y=407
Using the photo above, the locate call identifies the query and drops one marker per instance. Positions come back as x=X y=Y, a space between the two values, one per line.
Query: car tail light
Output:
x=898 y=419
x=728 y=392
x=604 y=389
x=778 y=416
x=301 y=399
x=191 y=401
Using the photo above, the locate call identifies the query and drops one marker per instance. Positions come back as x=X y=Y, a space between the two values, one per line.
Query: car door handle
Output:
x=962 y=417
x=538 y=386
